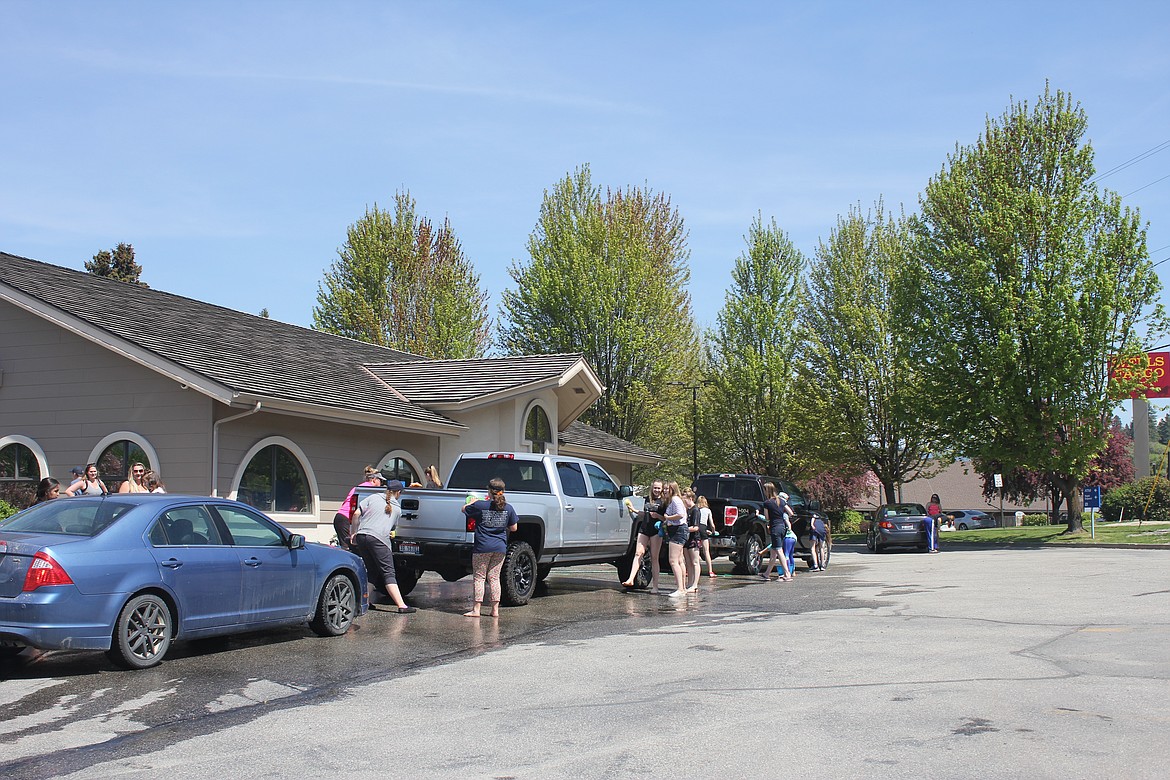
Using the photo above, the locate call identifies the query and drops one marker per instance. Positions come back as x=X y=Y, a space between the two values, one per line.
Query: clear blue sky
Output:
x=232 y=142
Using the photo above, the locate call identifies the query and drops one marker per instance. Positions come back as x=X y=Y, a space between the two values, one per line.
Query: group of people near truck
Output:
x=683 y=520
x=670 y=515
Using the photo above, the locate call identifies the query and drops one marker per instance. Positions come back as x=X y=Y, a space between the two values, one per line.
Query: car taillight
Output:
x=470 y=524
x=885 y=524
x=44 y=571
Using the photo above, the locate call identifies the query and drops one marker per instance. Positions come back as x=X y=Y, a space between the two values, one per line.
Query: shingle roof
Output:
x=456 y=381
x=248 y=354
x=578 y=434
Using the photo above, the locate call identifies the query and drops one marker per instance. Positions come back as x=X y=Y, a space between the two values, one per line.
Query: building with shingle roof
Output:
x=227 y=403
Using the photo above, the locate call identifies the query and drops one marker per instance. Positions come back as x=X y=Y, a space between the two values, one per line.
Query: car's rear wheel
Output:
x=750 y=559
x=518 y=576
x=962 y=526
x=142 y=633
x=336 y=607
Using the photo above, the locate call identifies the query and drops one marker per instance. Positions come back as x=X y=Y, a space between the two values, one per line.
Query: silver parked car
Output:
x=970 y=519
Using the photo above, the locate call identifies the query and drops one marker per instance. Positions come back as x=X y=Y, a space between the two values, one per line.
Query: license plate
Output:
x=908 y=527
x=409 y=548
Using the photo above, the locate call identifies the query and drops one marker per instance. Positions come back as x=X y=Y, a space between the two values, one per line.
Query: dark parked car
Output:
x=969 y=519
x=131 y=573
x=897 y=525
x=736 y=502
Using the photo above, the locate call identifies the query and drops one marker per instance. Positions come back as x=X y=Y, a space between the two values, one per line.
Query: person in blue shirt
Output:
x=778 y=512
x=494 y=517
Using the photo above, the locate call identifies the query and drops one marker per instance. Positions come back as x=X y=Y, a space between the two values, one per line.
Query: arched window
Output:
x=537 y=430
x=114 y=462
x=20 y=470
x=275 y=481
x=114 y=454
x=401 y=465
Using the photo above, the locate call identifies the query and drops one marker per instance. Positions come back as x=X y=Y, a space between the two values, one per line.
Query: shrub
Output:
x=1035 y=519
x=846 y=521
x=6 y=509
x=1133 y=499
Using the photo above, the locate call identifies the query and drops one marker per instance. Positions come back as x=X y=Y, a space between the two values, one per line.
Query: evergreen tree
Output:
x=118 y=264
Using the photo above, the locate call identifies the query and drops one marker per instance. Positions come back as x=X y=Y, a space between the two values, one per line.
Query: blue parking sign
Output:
x=1092 y=497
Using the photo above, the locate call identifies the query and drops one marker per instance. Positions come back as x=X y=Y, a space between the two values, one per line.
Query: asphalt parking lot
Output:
x=989 y=663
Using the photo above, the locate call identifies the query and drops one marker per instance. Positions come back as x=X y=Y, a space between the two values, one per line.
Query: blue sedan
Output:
x=131 y=573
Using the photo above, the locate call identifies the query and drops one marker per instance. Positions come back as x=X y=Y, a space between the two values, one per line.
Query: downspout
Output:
x=215 y=445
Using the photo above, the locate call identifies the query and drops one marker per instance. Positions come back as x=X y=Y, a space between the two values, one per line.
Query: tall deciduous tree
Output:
x=1031 y=278
x=751 y=418
x=858 y=356
x=606 y=276
x=401 y=282
x=117 y=264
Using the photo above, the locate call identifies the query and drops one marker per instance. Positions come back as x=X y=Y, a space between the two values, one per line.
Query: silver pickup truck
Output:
x=571 y=512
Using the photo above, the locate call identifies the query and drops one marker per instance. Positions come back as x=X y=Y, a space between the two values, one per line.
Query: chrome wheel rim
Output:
x=147 y=630
x=340 y=604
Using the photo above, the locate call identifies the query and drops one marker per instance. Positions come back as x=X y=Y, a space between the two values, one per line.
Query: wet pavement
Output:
x=996 y=663
x=66 y=710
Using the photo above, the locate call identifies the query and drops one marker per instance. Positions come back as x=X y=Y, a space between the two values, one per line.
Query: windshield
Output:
x=905 y=509
x=71 y=516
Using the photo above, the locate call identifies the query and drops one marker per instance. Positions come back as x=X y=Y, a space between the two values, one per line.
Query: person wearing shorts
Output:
x=777 y=512
x=818 y=538
x=675 y=517
x=694 y=541
x=649 y=541
x=372 y=525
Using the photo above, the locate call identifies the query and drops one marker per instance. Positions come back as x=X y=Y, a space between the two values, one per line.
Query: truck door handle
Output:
x=600 y=509
x=568 y=507
x=409 y=516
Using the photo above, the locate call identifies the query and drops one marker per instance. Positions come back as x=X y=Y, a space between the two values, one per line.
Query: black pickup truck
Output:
x=737 y=502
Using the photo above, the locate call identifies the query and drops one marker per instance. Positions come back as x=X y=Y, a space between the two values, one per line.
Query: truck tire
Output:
x=518 y=577
x=407 y=579
x=642 y=578
x=749 y=558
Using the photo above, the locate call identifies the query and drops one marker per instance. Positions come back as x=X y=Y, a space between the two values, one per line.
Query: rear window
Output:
x=72 y=516
x=525 y=476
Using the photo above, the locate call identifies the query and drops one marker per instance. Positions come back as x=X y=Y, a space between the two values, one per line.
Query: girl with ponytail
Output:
x=494 y=517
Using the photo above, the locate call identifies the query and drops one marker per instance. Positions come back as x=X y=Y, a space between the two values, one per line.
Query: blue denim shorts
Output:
x=677 y=534
x=778 y=540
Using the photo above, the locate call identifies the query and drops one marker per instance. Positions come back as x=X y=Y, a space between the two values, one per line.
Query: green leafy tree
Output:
x=117 y=264
x=606 y=276
x=752 y=422
x=1031 y=278
x=401 y=282
x=858 y=352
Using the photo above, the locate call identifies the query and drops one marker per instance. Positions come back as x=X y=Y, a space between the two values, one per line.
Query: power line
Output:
x=1151 y=184
x=1131 y=161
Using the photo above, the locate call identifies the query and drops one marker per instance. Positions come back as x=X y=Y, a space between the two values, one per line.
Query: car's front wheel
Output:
x=142 y=633
x=962 y=526
x=336 y=607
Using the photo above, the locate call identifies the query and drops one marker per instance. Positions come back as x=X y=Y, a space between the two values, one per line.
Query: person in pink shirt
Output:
x=341 y=521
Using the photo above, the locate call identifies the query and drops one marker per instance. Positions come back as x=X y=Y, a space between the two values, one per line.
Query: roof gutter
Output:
x=215 y=445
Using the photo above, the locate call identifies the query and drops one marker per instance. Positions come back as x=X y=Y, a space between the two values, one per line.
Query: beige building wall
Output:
x=68 y=394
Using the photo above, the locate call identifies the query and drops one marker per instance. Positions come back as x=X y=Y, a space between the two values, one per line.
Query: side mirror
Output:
x=625 y=491
x=296 y=542
x=815 y=506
